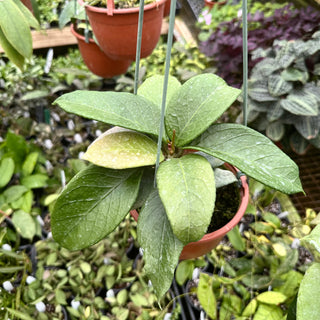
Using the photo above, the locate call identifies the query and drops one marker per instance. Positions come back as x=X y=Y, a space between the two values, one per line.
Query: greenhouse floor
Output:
x=309 y=166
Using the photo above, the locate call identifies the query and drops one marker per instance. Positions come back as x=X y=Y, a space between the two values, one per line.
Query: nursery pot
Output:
x=96 y=60
x=210 y=240
x=116 y=29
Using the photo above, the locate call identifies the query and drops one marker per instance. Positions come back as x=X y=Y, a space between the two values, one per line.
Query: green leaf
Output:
x=258 y=90
x=206 y=296
x=277 y=86
x=35 y=181
x=268 y=312
x=24 y=223
x=19 y=314
x=13 y=193
x=24 y=202
x=236 y=239
x=275 y=130
x=309 y=294
x=92 y=205
x=250 y=308
x=10 y=51
x=271 y=297
x=68 y=12
x=196 y=105
x=252 y=153
x=223 y=177
x=161 y=248
x=292 y=74
x=187 y=189
x=6 y=171
x=152 y=89
x=122 y=149
x=30 y=18
x=301 y=103
x=184 y=271
x=116 y=108
x=17 y=34
x=313 y=239
x=30 y=163
x=11 y=269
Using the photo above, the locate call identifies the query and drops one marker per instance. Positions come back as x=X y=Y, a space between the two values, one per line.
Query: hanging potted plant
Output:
x=211 y=3
x=178 y=210
x=115 y=27
x=95 y=59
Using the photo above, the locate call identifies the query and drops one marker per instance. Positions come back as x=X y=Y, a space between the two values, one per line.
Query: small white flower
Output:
x=7 y=247
x=75 y=304
x=70 y=125
x=30 y=279
x=40 y=220
x=167 y=316
x=98 y=132
x=48 y=144
x=110 y=294
x=295 y=243
x=77 y=138
x=7 y=285
x=196 y=274
x=40 y=306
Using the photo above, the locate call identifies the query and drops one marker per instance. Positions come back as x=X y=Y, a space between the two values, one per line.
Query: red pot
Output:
x=167 y=5
x=116 y=29
x=28 y=4
x=211 y=240
x=210 y=4
x=97 y=61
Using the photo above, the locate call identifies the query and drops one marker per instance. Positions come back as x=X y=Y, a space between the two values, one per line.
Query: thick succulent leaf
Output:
x=258 y=90
x=252 y=153
x=187 y=190
x=309 y=294
x=292 y=74
x=196 y=105
x=161 y=248
x=92 y=205
x=152 y=89
x=124 y=149
x=10 y=51
x=277 y=86
x=17 y=34
x=301 y=102
x=308 y=127
x=275 y=130
x=117 y=108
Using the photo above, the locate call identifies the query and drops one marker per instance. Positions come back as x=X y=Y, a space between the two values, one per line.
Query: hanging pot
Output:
x=96 y=60
x=28 y=4
x=210 y=3
x=167 y=5
x=116 y=29
x=211 y=240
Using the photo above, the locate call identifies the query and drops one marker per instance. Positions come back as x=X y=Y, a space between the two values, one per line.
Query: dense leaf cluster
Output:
x=225 y=44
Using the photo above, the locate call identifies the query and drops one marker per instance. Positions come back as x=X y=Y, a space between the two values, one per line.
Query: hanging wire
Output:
x=138 y=50
x=245 y=60
x=166 y=77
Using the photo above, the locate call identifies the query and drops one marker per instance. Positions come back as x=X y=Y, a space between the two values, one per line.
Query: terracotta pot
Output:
x=28 y=4
x=210 y=4
x=116 y=29
x=97 y=61
x=167 y=5
x=211 y=240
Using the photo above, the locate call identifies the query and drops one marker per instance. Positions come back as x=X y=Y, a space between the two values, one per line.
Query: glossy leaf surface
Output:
x=252 y=153
x=93 y=204
x=116 y=108
x=187 y=189
x=124 y=149
x=196 y=105
x=161 y=247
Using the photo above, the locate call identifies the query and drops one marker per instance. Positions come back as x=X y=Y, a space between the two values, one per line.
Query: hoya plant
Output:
x=176 y=199
x=284 y=93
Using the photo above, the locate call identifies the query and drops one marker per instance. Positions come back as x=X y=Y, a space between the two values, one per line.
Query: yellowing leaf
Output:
x=279 y=249
x=271 y=297
x=122 y=149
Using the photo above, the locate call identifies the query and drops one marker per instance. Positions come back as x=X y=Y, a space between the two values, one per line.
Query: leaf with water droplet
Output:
x=122 y=149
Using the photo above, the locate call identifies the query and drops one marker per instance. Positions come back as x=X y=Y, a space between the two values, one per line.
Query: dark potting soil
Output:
x=226 y=206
